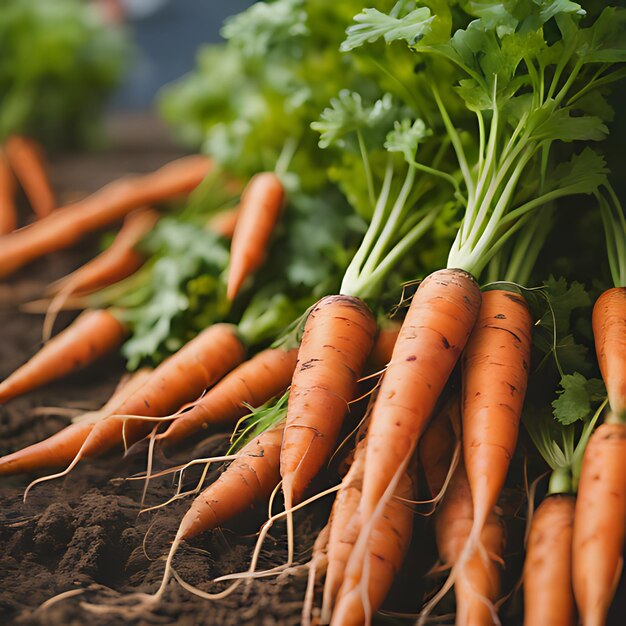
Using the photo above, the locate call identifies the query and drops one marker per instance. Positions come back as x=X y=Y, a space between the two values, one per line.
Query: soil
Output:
x=85 y=531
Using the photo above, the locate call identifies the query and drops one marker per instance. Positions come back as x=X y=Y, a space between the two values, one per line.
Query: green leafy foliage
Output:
x=576 y=398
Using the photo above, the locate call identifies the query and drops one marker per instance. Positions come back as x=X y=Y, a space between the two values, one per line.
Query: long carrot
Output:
x=91 y=335
x=260 y=206
x=59 y=449
x=383 y=346
x=609 y=331
x=548 y=593
x=477 y=583
x=496 y=363
x=338 y=336
x=253 y=383
x=388 y=542
x=67 y=225
x=8 y=212
x=599 y=523
x=435 y=330
x=28 y=162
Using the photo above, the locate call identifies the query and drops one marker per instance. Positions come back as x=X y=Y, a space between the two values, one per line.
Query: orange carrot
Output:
x=435 y=330
x=91 y=335
x=495 y=376
x=180 y=378
x=548 y=593
x=67 y=225
x=224 y=223
x=477 y=583
x=59 y=449
x=387 y=545
x=260 y=206
x=249 y=479
x=609 y=331
x=27 y=159
x=384 y=345
x=8 y=212
x=338 y=337
x=599 y=523
x=254 y=382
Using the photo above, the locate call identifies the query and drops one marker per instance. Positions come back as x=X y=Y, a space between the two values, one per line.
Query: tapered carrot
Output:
x=599 y=523
x=609 y=331
x=59 y=449
x=180 y=378
x=435 y=330
x=477 y=583
x=496 y=363
x=366 y=585
x=254 y=382
x=338 y=337
x=8 y=212
x=67 y=225
x=260 y=206
x=91 y=335
x=28 y=162
x=224 y=223
x=384 y=345
x=548 y=593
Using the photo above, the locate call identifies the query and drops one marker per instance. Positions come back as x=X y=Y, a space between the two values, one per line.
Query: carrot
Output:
x=548 y=594
x=253 y=383
x=384 y=345
x=477 y=583
x=599 y=522
x=27 y=159
x=62 y=447
x=67 y=225
x=261 y=202
x=91 y=335
x=609 y=331
x=386 y=548
x=8 y=212
x=435 y=330
x=180 y=378
x=495 y=376
x=337 y=339
x=224 y=223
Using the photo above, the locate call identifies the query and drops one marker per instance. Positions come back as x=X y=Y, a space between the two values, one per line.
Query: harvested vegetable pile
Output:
x=362 y=280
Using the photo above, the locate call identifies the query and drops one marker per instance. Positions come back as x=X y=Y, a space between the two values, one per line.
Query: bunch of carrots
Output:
x=432 y=333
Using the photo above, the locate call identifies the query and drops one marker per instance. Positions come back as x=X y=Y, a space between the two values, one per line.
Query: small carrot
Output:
x=60 y=448
x=599 y=523
x=477 y=583
x=91 y=335
x=224 y=223
x=69 y=224
x=435 y=330
x=27 y=160
x=253 y=383
x=548 y=593
x=260 y=206
x=384 y=345
x=496 y=363
x=609 y=331
x=337 y=339
x=8 y=212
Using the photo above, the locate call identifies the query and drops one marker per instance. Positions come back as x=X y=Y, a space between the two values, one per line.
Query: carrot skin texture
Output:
x=91 y=335
x=435 y=331
x=384 y=345
x=180 y=378
x=259 y=209
x=496 y=363
x=548 y=592
x=337 y=339
x=254 y=382
x=8 y=212
x=249 y=479
x=386 y=548
x=476 y=579
x=599 y=522
x=609 y=331
x=69 y=224
x=28 y=162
